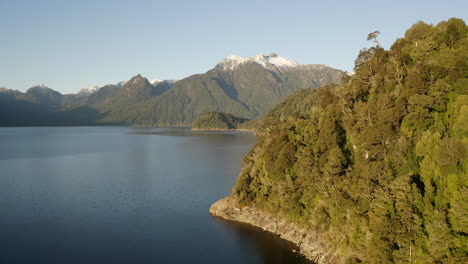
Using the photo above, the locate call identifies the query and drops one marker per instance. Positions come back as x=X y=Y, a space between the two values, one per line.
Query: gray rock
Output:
x=309 y=242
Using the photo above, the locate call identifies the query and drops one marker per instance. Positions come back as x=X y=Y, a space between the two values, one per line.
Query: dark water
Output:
x=124 y=195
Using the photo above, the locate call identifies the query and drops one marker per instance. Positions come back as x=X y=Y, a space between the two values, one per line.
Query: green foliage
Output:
x=379 y=164
x=247 y=92
x=215 y=120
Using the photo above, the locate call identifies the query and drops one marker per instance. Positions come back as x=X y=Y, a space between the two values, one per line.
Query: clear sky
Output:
x=69 y=45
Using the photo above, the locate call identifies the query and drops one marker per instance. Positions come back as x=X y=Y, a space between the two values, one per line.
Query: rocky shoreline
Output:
x=310 y=244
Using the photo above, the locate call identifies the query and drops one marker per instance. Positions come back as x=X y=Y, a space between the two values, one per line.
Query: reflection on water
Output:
x=265 y=243
x=124 y=195
x=186 y=131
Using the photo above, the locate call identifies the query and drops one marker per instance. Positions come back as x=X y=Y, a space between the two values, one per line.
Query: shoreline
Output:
x=224 y=129
x=309 y=243
x=159 y=125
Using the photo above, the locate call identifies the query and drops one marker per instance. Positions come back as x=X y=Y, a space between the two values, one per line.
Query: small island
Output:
x=219 y=121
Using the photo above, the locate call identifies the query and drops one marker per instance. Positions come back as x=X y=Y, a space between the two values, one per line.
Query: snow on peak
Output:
x=4 y=89
x=156 y=81
x=89 y=90
x=280 y=61
x=42 y=86
x=231 y=62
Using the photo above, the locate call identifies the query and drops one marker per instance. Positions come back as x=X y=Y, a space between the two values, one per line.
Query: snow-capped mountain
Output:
x=232 y=62
x=40 y=86
x=89 y=90
x=245 y=87
x=156 y=81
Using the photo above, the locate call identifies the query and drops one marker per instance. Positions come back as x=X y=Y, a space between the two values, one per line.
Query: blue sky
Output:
x=69 y=45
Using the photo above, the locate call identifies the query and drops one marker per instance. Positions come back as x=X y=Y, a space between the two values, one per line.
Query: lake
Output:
x=125 y=195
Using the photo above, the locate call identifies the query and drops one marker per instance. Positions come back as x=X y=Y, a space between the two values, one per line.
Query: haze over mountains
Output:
x=244 y=87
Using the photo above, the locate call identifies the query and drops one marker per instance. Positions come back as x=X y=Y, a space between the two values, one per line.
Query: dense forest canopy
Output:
x=378 y=164
x=217 y=120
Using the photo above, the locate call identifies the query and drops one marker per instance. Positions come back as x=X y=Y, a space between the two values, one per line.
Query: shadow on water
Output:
x=271 y=248
x=186 y=131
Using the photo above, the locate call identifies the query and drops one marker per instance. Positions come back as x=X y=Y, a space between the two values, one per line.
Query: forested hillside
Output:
x=297 y=103
x=216 y=120
x=379 y=164
x=247 y=90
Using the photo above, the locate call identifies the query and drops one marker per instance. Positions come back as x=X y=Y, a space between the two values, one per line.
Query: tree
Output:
x=363 y=56
x=373 y=36
x=379 y=164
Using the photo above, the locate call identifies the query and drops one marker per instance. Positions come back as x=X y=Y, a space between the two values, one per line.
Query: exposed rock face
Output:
x=310 y=243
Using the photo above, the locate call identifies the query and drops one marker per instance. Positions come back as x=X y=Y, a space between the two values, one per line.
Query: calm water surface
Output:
x=124 y=195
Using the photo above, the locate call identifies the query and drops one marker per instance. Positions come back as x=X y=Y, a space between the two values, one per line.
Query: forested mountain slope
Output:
x=243 y=87
x=379 y=164
x=216 y=120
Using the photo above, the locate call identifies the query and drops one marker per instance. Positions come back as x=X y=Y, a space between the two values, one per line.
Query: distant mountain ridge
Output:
x=246 y=88
x=243 y=87
x=89 y=90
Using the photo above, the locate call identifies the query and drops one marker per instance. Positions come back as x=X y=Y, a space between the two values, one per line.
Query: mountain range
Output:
x=244 y=87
